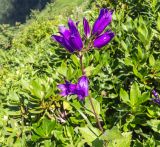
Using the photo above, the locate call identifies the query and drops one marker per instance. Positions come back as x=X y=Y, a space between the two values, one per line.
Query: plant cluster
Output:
x=104 y=91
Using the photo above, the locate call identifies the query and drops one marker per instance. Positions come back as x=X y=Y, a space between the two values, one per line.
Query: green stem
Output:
x=96 y=116
x=90 y=99
x=81 y=62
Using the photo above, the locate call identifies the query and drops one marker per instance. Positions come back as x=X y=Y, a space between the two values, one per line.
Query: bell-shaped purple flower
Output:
x=82 y=88
x=69 y=38
x=104 y=19
x=86 y=28
x=103 y=39
x=67 y=88
x=75 y=37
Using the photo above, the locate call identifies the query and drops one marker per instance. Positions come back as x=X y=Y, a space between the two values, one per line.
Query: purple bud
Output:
x=103 y=39
x=86 y=28
x=104 y=19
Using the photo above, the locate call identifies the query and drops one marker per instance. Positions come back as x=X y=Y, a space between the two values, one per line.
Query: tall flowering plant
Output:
x=71 y=40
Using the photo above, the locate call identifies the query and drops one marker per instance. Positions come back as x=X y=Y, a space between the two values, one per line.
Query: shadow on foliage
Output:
x=20 y=9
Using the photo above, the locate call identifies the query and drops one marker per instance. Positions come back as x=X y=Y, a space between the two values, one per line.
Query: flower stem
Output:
x=90 y=99
x=82 y=67
x=96 y=116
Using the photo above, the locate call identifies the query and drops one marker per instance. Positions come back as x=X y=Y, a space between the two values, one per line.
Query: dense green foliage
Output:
x=121 y=74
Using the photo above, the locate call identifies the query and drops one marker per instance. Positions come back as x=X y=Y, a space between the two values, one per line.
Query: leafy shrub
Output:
x=122 y=76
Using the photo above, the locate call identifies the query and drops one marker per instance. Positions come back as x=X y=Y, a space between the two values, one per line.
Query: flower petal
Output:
x=103 y=39
x=59 y=39
x=82 y=88
x=75 y=38
x=64 y=32
x=86 y=28
x=67 y=88
x=76 y=42
x=72 y=27
x=64 y=42
x=104 y=19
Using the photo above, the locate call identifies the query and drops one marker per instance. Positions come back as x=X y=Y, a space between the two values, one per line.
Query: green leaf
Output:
x=36 y=111
x=89 y=109
x=66 y=105
x=88 y=134
x=142 y=31
x=135 y=71
x=89 y=70
x=124 y=96
x=124 y=141
x=47 y=143
x=140 y=53
x=62 y=69
x=124 y=45
x=49 y=93
x=97 y=55
x=44 y=127
x=128 y=61
x=134 y=94
x=151 y=60
x=75 y=60
x=36 y=89
x=97 y=143
x=153 y=111
x=13 y=96
x=77 y=107
x=116 y=138
x=158 y=22
x=143 y=98
x=154 y=124
x=111 y=134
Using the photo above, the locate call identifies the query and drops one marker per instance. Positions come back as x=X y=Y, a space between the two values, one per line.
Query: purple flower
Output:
x=103 y=20
x=86 y=28
x=156 y=98
x=157 y=101
x=80 y=89
x=69 y=38
x=155 y=94
x=103 y=39
x=67 y=88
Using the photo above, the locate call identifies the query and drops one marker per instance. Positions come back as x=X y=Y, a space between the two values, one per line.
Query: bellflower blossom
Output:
x=69 y=38
x=103 y=20
x=67 y=88
x=103 y=39
x=156 y=98
x=80 y=89
x=86 y=28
